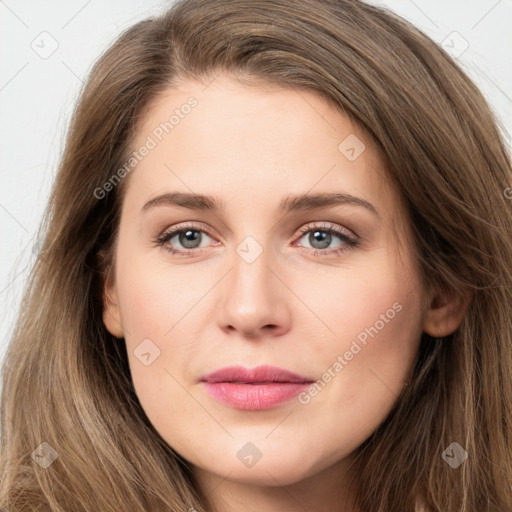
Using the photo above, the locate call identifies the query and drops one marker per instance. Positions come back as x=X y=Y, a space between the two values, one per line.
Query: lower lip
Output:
x=254 y=397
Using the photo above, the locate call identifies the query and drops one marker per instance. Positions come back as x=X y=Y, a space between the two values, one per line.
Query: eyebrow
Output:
x=291 y=203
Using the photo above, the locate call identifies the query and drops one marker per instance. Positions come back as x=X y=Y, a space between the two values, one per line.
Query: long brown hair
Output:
x=66 y=380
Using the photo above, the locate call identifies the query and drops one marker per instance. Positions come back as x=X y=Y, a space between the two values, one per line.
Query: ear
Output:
x=111 y=312
x=445 y=312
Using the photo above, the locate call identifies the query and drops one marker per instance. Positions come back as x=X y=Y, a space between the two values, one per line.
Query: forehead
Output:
x=247 y=142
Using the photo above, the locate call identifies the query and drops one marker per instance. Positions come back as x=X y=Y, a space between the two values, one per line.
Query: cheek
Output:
x=366 y=367
x=374 y=321
x=152 y=305
x=376 y=300
x=155 y=297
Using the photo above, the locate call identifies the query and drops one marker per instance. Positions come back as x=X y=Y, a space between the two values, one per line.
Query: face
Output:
x=302 y=275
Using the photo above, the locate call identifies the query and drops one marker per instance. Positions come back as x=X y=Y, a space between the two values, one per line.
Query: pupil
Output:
x=188 y=238
x=324 y=239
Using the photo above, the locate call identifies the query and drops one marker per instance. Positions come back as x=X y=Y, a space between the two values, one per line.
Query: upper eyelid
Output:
x=327 y=227
x=192 y=225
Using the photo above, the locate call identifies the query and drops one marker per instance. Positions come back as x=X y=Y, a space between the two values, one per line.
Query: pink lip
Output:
x=254 y=389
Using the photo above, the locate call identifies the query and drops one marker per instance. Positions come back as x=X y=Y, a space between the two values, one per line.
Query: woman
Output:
x=277 y=275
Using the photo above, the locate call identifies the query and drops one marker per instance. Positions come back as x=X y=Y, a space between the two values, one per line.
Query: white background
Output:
x=37 y=95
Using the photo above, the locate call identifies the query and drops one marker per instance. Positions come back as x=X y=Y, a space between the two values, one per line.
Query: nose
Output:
x=254 y=299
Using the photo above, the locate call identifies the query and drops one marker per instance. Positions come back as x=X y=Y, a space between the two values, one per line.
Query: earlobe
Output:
x=445 y=313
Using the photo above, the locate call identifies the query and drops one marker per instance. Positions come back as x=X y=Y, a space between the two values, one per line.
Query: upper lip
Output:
x=260 y=374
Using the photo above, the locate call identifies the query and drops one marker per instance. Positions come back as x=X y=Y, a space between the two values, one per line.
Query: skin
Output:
x=292 y=308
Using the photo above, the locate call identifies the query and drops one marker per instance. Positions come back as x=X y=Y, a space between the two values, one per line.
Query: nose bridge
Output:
x=252 y=297
x=250 y=279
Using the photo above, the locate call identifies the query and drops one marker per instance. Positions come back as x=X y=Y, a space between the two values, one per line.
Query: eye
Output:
x=321 y=235
x=189 y=237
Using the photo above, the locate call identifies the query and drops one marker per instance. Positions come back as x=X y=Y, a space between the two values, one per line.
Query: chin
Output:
x=275 y=467
x=262 y=474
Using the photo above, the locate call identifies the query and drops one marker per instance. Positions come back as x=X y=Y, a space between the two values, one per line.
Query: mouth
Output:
x=260 y=388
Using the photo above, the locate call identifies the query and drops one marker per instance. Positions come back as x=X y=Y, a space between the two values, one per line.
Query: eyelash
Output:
x=351 y=243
